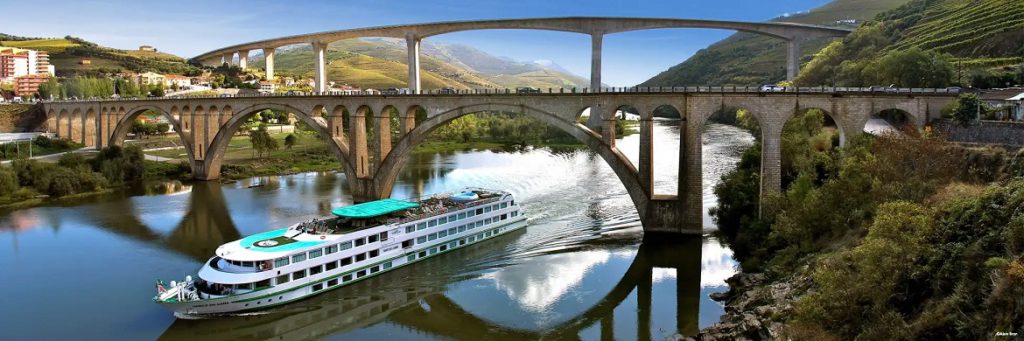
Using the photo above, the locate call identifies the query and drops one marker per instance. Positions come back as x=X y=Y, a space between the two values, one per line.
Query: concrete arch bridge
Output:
x=206 y=125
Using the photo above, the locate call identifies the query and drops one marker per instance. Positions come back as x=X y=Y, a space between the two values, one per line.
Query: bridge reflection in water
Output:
x=417 y=298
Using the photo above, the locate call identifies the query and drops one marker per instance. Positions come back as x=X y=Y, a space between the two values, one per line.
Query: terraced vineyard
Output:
x=987 y=33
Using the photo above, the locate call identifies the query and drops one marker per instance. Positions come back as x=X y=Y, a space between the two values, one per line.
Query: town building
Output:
x=179 y=80
x=150 y=78
x=28 y=85
x=147 y=48
x=267 y=87
x=15 y=62
x=1006 y=103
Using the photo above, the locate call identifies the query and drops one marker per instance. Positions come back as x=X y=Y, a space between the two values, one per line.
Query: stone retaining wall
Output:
x=985 y=132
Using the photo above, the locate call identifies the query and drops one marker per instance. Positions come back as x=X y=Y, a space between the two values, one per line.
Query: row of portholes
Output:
x=268 y=300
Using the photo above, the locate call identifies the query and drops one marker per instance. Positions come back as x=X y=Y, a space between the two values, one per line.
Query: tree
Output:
x=163 y=127
x=262 y=141
x=966 y=109
x=290 y=141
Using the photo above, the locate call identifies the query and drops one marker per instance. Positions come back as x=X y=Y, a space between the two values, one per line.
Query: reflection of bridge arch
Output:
x=637 y=277
x=205 y=226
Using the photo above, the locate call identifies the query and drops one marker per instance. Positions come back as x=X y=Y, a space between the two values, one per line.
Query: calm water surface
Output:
x=86 y=270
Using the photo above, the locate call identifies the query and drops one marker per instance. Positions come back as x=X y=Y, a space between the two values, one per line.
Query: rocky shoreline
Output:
x=755 y=306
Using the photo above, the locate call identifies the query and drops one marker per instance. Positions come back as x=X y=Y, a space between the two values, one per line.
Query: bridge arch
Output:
x=126 y=118
x=219 y=143
x=384 y=178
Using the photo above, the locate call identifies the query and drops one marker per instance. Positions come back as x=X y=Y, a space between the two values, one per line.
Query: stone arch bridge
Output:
x=205 y=126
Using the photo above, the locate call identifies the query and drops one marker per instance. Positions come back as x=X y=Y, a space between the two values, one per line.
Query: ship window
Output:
x=442 y=234
x=433 y=250
x=504 y=205
x=280 y=262
x=479 y=223
x=479 y=211
x=374 y=253
x=462 y=242
x=504 y=216
x=247 y=264
x=262 y=284
x=346 y=278
x=332 y=265
x=444 y=247
x=346 y=261
x=318 y=287
x=410 y=229
x=371 y=238
x=298 y=258
x=462 y=228
x=282 y=279
x=421 y=226
x=487 y=209
x=387 y=265
x=316 y=253
x=360 y=241
x=471 y=213
x=375 y=269
x=360 y=257
x=422 y=254
x=332 y=249
x=487 y=221
x=442 y=220
x=407 y=243
x=452 y=244
x=432 y=236
x=515 y=213
x=299 y=274
x=421 y=240
x=410 y=258
x=244 y=286
x=472 y=239
x=332 y=282
x=315 y=270
x=494 y=207
x=513 y=202
x=451 y=231
x=432 y=223
x=361 y=273
x=462 y=215
x=346 y=245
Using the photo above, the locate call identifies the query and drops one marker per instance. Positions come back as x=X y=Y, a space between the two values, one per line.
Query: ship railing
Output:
x=443 y=210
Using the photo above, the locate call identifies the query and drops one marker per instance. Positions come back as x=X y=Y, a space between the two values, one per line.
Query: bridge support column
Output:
x=596 y=41
x=320 y=67
x=359 y=156
x=382 y=145
x=793 y=59
x=646 y=164
x=268 y=55
x=608 y=130
x=225 y=59
x=413 y=45
x=243 y=59
x=771 y=163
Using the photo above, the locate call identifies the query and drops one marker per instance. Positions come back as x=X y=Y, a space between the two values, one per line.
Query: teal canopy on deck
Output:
x=373 y=208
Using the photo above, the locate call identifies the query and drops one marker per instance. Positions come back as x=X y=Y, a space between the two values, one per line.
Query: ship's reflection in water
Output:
x=581 y=269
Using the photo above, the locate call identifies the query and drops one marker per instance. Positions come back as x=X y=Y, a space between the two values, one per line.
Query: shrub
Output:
x=8 y=181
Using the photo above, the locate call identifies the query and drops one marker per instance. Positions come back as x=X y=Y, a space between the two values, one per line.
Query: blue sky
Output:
x=188 y=28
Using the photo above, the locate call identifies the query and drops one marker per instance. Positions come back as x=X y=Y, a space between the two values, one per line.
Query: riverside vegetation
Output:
x=26 y=182
x=886 y=238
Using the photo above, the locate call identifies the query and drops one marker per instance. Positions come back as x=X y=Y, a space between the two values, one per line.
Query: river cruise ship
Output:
x=357 y=242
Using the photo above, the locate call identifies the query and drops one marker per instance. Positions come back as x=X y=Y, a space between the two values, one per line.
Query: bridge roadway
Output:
x=206 y=125
x=794 y=34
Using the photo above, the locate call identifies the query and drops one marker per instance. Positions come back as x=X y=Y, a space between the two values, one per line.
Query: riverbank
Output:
x=877 y=240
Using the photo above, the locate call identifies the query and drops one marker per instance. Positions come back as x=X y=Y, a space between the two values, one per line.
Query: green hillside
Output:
x=979 y=42
x=751 y=59
x=380 y=63
x=66 y=55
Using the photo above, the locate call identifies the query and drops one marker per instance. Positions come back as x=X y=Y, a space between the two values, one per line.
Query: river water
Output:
x=85 y=270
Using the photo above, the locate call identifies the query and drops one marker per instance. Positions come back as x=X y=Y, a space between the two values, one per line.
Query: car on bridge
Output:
x=447 y=91
x=771 y=88
x=527 y=90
